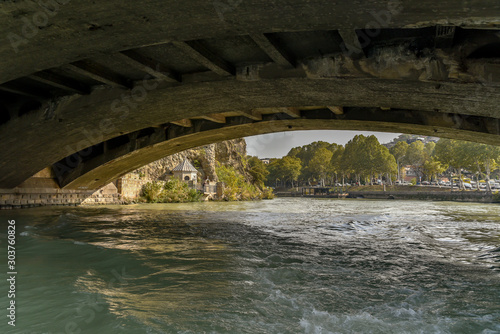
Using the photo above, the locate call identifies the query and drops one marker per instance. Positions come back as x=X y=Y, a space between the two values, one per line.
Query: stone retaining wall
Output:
x=20 y=197
x=130 y=186
x=457 y=196
x=106 y=195
x=42 y=190
x=27 y=198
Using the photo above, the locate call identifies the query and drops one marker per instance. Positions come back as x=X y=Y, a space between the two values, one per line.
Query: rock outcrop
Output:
x=205 y=158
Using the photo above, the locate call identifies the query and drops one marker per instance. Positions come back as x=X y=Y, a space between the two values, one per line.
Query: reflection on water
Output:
x=280 y=266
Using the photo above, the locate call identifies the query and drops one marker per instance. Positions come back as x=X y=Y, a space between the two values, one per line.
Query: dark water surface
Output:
x=279 y=266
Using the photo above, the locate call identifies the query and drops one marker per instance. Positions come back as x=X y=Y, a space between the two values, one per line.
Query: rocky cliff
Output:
x=204 y=158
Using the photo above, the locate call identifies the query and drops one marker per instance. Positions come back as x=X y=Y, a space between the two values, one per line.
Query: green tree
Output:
x=433 y=167
x=388 y=165
x=399 y=152
x=375 y=158
x=320 y=163
x=306 y=153
x=429 y=148
x=477 y=158
x=257 y=169
x=353 y=159
x=335 y=167
x=445 y=152
x=366 y=158
x=491 y=157
x=416 y=157
x=177 y=191
x=172 y=191
x=235 y=186
x=464 y=159
x=284 y=169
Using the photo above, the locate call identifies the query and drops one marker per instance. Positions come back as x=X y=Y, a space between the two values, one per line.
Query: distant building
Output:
x=409 y=173
x=432 y=139
x=265 y=161
x=389 y=145
x=185 y=171
x=411 y=139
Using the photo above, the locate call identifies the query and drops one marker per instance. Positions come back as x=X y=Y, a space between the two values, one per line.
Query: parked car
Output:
x=425 y=183
x=467 y=185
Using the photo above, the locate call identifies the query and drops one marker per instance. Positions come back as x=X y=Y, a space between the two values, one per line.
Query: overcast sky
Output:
x=276 y=145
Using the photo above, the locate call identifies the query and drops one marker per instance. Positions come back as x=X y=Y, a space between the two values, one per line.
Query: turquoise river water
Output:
x=288 y=265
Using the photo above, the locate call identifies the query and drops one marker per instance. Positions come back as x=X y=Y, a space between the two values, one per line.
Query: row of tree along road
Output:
x=363 y=160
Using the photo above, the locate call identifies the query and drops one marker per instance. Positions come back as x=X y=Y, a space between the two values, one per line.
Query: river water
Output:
x=279 y=266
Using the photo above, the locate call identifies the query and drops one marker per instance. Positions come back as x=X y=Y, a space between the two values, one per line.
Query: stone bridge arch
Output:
x=99 y=165
x=111 y=80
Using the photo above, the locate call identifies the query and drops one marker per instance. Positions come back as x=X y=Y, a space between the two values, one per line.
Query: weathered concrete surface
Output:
x=83 y=29
x=37 y=140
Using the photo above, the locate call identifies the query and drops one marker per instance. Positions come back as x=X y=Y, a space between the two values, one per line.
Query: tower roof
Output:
x=185 y=166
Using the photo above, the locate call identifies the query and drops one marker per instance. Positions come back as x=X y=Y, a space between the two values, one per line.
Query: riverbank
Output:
x=422 y=193
x=403 y=193
x=456 y=196
x=29 y=198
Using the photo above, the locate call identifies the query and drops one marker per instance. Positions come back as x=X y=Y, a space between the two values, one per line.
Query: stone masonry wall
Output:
x=42 y=190
x=130 y=186
x=28 y=198
x=18 y=198
x=106 y=195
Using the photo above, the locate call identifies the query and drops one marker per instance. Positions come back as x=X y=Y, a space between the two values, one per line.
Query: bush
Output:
x=236 y=187
x=152 y=192
x=413 y=181
x=173 y=191
x=267 y=193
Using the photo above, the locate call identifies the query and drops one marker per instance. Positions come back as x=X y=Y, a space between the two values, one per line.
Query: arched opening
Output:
x=174 y=139
x=486 y=51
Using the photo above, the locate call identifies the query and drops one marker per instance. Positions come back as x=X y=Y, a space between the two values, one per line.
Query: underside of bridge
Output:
x=97 y=89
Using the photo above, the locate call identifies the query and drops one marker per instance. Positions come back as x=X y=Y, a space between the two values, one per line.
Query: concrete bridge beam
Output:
x=82 y=75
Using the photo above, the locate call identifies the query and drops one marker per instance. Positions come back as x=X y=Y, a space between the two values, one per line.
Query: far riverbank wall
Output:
x=455 y=196
x=399 y=193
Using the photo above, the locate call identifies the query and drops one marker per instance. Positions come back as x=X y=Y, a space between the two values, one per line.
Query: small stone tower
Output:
x=185 y=171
